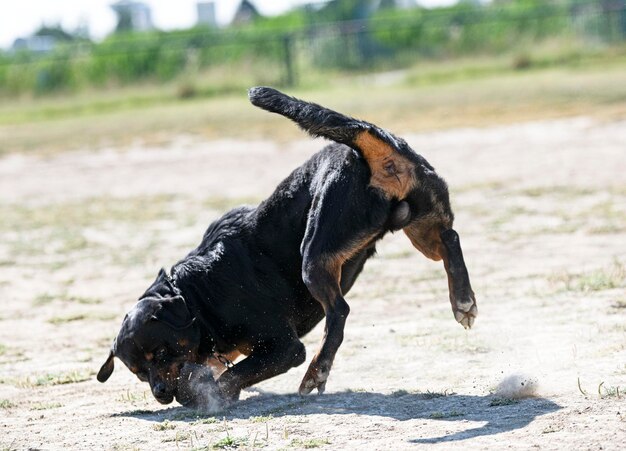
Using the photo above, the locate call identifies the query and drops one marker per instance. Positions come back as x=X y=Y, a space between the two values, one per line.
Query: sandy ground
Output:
x=541 y=210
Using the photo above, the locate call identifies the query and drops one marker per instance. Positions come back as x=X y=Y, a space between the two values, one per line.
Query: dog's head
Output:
x=418 y=195
x=158 y=336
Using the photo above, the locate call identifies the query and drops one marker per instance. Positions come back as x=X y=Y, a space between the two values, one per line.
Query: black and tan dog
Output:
x=263 y=277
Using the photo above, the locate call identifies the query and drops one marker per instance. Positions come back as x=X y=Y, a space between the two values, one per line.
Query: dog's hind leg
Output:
x=336 y=231
x=268 y=358
x=323 y=282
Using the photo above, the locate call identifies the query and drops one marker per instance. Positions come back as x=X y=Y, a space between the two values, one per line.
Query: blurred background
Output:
x=68 y=59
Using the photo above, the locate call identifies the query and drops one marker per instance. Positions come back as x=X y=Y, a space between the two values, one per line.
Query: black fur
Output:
x=263 y=277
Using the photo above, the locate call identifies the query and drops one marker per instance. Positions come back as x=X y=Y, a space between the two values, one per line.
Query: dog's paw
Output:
x=315 y=377
x=465 y=313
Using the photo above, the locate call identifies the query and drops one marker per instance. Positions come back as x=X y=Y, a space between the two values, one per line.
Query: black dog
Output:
x=263 y=277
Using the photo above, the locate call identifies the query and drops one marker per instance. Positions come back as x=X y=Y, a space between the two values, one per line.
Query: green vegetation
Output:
x=164 y=426
x=310 y=43
x=495 y=402
x=49 y=379
x=50 y=125
x=229 y=442
x=261 y=419
x=46 y=405
x=441 y=415
x=82 y=317
x=309 y=443
x=6 y=404
x=598 y=280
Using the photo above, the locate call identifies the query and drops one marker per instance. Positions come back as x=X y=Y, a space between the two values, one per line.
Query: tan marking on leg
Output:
x=334 y=262
x=425 y=235
x=218 y=367
x=391 y=172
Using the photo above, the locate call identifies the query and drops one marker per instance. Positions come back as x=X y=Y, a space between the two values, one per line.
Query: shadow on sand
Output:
x=497 y=417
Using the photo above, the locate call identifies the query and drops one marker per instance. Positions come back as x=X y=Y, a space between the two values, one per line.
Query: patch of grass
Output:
x=498 y=401
x=6 y=404
x=133 y=397
x=10 y=355
x=46 y=405
x=67 y=319
x=135 y=412
x=84 y=300
x=49 y=379
x=563 y=191
x=69 y=217
x=164 y=426
x=434 y=395
x=309 y=443
x=399 y=393
x=43 y=299
x=451 y=414
x=179 y=437
x=210 y=420
x=261 y=419
x=229 y=442
x=81 y=317
x=598 y=280
x=613 y=391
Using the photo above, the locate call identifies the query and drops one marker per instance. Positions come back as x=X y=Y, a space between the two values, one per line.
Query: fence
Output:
x=389 y=39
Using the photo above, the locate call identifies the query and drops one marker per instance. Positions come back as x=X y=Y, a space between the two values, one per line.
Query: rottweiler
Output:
x=263 y=277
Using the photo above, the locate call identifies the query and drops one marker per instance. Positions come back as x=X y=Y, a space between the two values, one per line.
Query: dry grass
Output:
x=410 y=104
x=48 y=379
x=597 y=280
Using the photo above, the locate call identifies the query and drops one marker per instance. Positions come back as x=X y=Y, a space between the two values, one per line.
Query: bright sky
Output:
x=20 y=18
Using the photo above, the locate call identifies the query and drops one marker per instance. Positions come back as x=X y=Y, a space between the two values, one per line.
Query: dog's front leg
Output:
x=268 y=359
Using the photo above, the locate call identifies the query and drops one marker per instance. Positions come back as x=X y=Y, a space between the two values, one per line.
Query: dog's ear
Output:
x=161 y=287
x=174 y=312
x=107 y=368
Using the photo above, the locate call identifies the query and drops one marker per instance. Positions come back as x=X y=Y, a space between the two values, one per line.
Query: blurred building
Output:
x=246 y=13
x=37 y=44
x=47 y=37
x=132 y=16
x=396 y=4
x=206 y=13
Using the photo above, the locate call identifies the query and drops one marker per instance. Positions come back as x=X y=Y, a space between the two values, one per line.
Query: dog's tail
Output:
x=317 y=120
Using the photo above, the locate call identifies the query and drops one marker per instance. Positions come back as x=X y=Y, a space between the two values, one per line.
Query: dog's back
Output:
x=246 y=273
